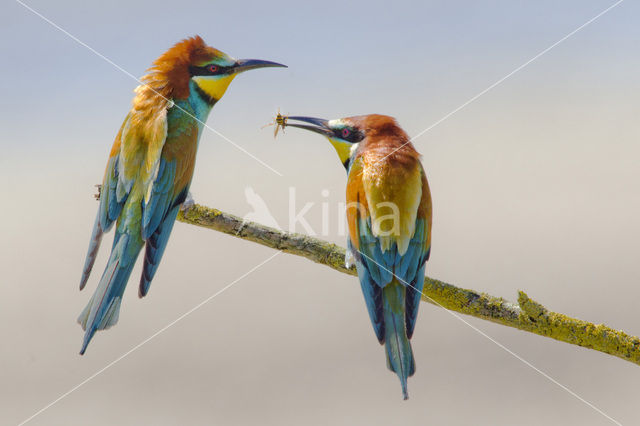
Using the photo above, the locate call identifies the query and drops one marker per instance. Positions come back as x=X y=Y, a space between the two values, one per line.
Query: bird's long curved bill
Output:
x=243 y=65
x=317 y=125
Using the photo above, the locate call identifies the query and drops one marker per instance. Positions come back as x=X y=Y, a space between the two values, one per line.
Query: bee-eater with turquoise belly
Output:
x=389 y=220
x=150 y=168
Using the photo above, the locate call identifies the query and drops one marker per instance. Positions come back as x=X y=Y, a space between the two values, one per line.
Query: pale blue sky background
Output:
x=536 y=186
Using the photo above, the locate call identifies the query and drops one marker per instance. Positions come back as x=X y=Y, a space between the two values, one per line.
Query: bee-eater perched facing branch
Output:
x=150 y=168
x=389 y=219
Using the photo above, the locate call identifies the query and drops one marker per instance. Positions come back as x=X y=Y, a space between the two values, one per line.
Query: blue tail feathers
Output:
x=94 y=245
x=398 y=348
x=155 y=246
x=104 y=306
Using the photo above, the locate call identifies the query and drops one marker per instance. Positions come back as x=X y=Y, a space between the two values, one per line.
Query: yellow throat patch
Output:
x=342 y=148
x=214 y=86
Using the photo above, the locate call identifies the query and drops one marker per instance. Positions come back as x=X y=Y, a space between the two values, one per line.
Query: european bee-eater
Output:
x=150 y=168
x=389 y=220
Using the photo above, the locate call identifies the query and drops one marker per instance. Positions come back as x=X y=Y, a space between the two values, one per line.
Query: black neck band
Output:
x=204 y=95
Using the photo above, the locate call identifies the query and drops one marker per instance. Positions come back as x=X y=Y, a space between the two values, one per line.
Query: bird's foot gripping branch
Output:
x=527 y=315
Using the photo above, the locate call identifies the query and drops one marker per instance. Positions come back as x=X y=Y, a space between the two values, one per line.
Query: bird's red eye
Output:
x=212 y=68
x=345 y=133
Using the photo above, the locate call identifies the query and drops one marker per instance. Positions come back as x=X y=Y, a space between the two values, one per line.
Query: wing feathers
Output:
x=379 y=259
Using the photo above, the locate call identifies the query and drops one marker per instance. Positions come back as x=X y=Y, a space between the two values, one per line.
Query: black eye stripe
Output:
x=352 y=134
x=194 y=71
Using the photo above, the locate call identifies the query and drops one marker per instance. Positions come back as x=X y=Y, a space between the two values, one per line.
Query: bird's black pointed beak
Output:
x=318 y=125
x=243 y=65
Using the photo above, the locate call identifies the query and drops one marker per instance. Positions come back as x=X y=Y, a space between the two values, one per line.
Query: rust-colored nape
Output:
x=383 y=124
x=169 y=75
x=385 y=140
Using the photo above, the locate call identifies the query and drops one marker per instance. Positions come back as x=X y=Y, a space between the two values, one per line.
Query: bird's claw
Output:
x=97 y=196
x=187 y=203
x=349 y=259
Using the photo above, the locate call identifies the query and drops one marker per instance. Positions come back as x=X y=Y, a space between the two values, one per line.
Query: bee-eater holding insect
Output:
x=150 y=168
x=389 y=219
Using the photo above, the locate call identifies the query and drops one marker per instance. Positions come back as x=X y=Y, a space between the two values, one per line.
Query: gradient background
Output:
x=536 y=186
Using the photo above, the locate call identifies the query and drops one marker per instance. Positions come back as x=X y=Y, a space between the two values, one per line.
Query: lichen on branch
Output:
x=526 y=315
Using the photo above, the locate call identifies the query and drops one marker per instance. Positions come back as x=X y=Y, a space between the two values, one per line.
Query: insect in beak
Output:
x=280 y=122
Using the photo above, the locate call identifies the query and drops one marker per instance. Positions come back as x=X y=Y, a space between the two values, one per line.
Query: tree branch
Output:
x=526 y=315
